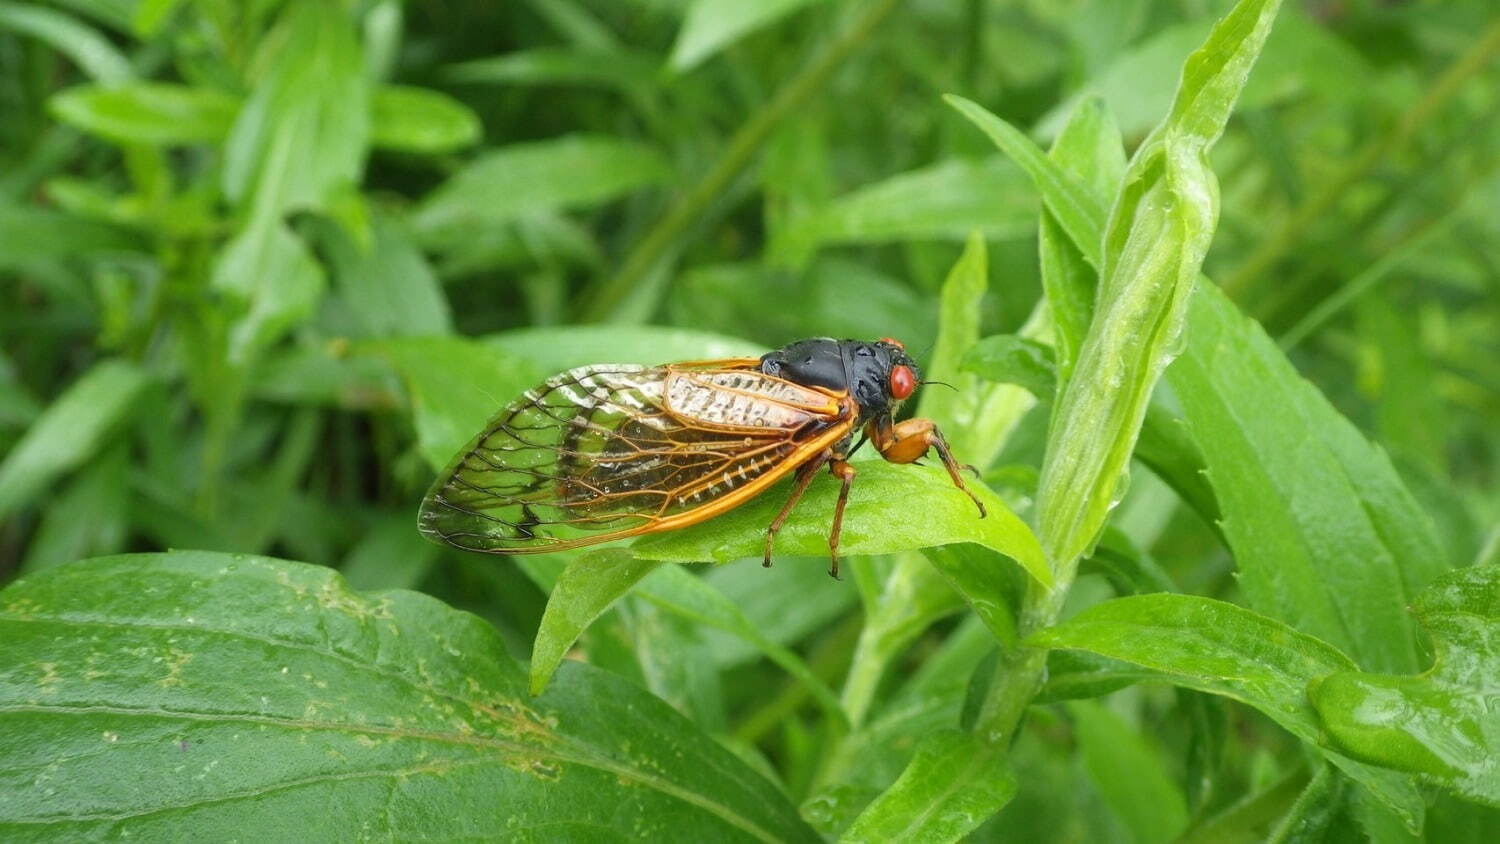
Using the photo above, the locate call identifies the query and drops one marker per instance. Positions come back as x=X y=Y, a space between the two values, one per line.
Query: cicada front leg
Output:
x=908 y=441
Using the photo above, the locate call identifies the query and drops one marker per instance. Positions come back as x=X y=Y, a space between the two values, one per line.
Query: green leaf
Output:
x=305 y=129
x=33 y=234
x=390 y=555
x=1442 y=725
x=974 y=416
x=387 y=714
x=560 y=66
x=456 y=386
x=954 y=784
x=274 y=282
x=947 y=201
x=1318 y=809
x=1154 y=244
x=1090 y=150
x=420 y=120
x=901 y=601
x=1010 y=359
x=90 y=517
x=1223 y=649
x=1129 y=774
x=148 y=112
x=692 y=598
x=590 y=584
x=85 y=46
x=759 y=594
x=387 y=286
x=1072 y=204
x=712 y=25
x=879 y=520
x=989 y=593
x=563 y=173
x=836 y=297
x=72 y=428
x=1302 y=58
x=1325 y=534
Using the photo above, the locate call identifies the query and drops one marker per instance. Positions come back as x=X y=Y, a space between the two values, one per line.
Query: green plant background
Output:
x=1225 y=346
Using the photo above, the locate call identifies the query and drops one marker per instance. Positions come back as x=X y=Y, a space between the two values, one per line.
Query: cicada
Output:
x=608 y=451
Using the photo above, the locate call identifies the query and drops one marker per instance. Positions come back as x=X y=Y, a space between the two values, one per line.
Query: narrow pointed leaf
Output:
x=954 y=784
x=1444 y=724
x=1223 y=649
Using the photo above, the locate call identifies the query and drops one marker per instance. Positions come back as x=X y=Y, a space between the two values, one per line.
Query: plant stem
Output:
x=1018 y=674
x=603 y=300
x=1296 y=224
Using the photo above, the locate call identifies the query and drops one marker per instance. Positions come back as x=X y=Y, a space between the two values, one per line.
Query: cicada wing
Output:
x=604 y=452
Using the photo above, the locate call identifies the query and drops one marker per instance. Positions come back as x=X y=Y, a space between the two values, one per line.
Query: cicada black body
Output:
x=609 y=451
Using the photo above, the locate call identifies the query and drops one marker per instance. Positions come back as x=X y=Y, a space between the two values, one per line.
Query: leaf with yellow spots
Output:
x=149 y=695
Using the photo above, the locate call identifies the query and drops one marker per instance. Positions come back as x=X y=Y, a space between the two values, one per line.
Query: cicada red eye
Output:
x=903 y=382
x=892 y=341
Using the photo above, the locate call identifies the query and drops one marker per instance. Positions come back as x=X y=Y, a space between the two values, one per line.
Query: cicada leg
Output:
x=844 y=472
x=804 y=477
x=910 y=440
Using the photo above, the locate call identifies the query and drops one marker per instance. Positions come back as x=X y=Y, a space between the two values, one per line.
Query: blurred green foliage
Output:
x=264 y=266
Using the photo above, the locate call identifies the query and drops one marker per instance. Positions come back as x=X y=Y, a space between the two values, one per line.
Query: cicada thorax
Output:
x=680 y=441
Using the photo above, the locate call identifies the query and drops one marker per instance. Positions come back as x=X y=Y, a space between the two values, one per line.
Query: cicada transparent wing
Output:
x=608 y=451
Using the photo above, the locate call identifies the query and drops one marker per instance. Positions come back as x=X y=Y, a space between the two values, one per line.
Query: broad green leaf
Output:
x=1166 y=447
x=388 y=287
x=588 y=586
x=554 y=349
x=1223 y=649
x=82 y=44
x=1010 y=359
x=954 y=784
x=1324 y=533
x=946 y=201
x=388 y=715
x=305 y=129
x=1153 y=246
x=712 y=25
x=420 y=120
x=148 y=112
x=1129 y=774
x=271 y=277
x=891 y=508
x=456 y=386
x=1443 y=724
x=563 y=173
x=69 y=432
x=559 y=66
